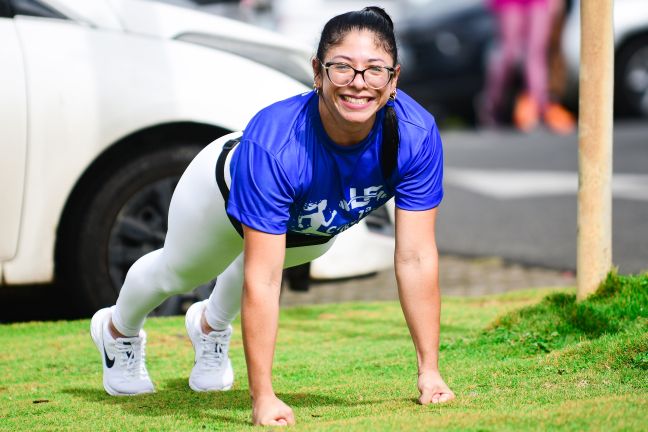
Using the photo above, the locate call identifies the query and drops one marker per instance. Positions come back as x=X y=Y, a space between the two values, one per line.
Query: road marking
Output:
x=525 y=184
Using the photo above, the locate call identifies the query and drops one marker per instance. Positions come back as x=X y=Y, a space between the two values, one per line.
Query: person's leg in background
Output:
x=503 y=63
x=556 y=117
x=536 y=64
x=557 y=67
x=536 y=103
x=530 y=104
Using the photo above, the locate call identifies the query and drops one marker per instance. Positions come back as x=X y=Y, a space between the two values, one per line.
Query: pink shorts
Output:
x=498 y=5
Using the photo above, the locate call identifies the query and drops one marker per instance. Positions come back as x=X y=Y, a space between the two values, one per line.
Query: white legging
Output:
x=200 y=244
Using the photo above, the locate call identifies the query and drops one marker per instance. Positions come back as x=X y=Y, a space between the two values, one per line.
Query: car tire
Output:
x=298 y=277
x=632 y=78
x=123 y=217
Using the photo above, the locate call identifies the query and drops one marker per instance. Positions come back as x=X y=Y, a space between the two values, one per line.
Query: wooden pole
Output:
x=594 y=258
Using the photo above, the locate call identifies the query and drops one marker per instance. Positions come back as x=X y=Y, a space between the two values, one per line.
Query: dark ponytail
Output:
x=390 y=140
x=376 y=20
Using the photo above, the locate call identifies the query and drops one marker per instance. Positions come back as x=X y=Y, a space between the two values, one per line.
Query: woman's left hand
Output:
x=433 y=389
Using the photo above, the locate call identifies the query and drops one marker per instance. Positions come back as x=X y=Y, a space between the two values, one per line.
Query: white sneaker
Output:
x=212 y=370
x=124 y=359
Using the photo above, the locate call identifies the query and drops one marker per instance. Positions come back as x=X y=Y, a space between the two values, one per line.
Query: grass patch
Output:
x=619 y=305
x=526 y=360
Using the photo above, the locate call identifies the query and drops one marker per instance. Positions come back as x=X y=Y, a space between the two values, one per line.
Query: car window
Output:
x=35 y=8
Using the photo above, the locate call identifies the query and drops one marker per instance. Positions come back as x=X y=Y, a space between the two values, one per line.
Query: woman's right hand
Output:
x=271 y=411
x=263 y=264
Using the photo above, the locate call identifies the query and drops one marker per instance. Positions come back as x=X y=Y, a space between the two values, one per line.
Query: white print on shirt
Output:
x=370 y=193
x=313 y=217
x=317 y=218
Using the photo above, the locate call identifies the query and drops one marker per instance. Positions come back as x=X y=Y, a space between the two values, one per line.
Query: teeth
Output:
x=355 y=101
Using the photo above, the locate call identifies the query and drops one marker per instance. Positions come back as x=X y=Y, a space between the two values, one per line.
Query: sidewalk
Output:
x=457 y=276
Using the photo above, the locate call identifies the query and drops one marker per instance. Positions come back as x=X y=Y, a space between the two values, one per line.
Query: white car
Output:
x=103 y=103
x=630 y=50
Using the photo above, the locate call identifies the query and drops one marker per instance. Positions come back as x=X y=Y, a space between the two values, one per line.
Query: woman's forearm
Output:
x=418 y=289
x=260 y=316
x=264 y=256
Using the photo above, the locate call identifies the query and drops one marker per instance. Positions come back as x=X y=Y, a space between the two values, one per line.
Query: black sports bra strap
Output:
x=220 y=179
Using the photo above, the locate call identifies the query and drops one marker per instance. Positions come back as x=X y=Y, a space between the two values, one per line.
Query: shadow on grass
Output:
x=175 y=398
x=205 y=407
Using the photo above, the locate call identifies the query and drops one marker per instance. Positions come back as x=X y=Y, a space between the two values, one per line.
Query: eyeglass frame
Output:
x=327 y=65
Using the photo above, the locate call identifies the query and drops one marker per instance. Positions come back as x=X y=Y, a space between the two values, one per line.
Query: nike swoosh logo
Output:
x=109 y=362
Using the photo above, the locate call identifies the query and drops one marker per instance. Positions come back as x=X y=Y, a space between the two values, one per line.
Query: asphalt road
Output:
x=515 y=196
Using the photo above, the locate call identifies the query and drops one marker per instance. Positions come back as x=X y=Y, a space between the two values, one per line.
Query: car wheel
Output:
x=124 y=219
x=632 y=78
x=298 y=277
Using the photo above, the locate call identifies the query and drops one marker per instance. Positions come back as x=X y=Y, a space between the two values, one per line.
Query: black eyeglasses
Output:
x=342 y=74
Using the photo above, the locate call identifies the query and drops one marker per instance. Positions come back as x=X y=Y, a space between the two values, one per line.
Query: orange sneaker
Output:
x=558 y=119
x=526 y=113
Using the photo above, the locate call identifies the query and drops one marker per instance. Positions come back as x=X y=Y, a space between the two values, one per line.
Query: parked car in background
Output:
x=630 y=51
x=103 y=104
x=445 y=48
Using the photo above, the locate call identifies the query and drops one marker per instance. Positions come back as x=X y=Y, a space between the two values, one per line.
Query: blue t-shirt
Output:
x=288 y=176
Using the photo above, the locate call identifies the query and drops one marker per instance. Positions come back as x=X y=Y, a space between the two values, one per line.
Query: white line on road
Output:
x=524 y=184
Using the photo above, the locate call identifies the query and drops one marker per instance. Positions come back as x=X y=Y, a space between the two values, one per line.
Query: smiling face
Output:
x=348 y=112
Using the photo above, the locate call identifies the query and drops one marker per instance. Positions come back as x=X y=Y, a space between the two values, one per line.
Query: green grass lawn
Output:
x=531 y=360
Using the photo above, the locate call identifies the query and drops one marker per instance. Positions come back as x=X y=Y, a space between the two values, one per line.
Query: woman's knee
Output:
x=177 y=278
x=152 y=273
x=155 y=271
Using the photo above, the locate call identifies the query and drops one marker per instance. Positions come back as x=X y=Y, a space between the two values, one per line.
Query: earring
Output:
x=315 y=88
x=392 y=96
